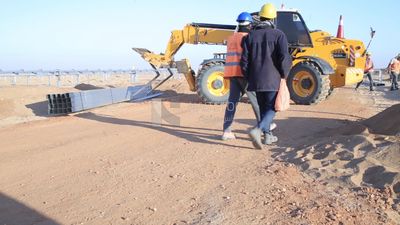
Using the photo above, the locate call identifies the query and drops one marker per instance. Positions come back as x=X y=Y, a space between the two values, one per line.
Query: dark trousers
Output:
x=393 y=79
x=266 y=102
x=371 y=82
x=238 y=87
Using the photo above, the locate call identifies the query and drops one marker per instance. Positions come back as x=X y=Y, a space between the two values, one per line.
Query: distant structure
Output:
x=54 y=77
x=340 y=31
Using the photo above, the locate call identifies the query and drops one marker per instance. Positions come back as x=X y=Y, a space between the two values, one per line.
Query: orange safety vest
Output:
x=369 y=65
x=395 y=66
x=233 y=55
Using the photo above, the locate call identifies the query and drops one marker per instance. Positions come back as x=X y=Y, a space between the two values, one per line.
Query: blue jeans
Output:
x=266 y=102
x=371 y=82
x=393 y=78
x=238 y=87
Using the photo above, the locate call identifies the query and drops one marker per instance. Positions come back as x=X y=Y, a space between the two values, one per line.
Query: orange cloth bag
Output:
x=282 y=102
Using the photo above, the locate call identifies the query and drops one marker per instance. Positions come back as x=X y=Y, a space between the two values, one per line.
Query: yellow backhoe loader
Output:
x=321 y=62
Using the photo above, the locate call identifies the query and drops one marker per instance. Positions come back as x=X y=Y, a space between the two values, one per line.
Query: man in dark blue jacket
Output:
x=265 y=61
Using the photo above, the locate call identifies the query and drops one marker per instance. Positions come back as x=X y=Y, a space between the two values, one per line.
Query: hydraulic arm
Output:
x=194 y=33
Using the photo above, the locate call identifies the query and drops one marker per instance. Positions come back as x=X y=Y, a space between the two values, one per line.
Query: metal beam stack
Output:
x=79 y=101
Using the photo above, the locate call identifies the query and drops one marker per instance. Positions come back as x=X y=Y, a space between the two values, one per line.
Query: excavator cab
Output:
x=293 y=25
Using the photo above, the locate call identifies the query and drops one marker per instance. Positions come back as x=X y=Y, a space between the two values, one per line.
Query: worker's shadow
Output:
x=192 y=98
x=392 y=95
x=296 y=132
x=192 y=134
x=13 y=212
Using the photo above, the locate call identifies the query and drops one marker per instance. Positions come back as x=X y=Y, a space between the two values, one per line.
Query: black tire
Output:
x=307 y=85
x=212 y=95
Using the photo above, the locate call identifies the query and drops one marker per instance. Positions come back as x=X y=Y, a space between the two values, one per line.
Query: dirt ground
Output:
x=334 y=163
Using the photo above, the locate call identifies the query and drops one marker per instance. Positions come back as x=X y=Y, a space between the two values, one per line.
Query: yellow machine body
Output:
x=345 y=59
x=325 y=47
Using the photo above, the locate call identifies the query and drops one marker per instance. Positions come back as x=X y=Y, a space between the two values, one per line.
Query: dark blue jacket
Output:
x=265 y=58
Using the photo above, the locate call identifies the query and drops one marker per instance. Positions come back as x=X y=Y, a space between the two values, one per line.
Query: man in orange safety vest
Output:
x=369 y=67
x=394 y=71
x=232 y=71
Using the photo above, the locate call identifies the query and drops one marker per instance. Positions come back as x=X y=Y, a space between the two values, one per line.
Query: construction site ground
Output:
x=119 y=165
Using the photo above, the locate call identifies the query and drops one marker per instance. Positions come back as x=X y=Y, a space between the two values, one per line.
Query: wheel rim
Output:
x=303 y=84
x=217 y=85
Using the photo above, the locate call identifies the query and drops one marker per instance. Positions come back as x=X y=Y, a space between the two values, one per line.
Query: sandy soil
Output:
x=335 y=163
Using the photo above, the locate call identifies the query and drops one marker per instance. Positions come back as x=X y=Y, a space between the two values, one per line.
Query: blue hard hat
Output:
x=244 y=16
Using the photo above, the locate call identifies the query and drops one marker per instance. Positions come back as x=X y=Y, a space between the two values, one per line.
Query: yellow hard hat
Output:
x=268 y=11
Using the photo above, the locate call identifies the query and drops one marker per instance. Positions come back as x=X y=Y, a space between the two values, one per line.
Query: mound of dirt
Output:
x=85 y=87
x=364 y=154
x=386 y=122
x=19 y=104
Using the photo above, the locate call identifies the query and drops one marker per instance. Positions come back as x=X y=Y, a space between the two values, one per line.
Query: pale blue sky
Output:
x=99 y=34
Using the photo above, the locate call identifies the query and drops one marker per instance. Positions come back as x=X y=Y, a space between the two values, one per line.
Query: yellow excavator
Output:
x=321 y=62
